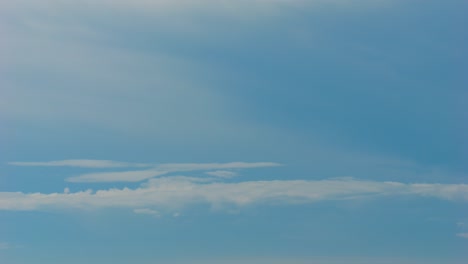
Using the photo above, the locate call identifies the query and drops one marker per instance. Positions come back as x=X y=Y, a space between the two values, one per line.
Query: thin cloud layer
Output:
x=147 y=211
x=155 y=5
x=222 y=173
x=121 y=176
x=214 y=166
x=140 y=175
x=179 y=192
x=82 y=163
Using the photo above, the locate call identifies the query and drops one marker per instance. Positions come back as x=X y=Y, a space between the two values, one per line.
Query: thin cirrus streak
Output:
x=156 y=5
x=140 y=175
x=177 y=192
x=147 y=211
x=88 y=163
x=222 y=173
x=81 y=163
x=120 y=176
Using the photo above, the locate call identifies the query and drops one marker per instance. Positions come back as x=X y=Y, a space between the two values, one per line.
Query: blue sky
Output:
x=321 y=131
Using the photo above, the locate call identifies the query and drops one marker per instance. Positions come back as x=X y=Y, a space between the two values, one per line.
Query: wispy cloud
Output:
x=121 y=176
x=213 y=166
x=177 y=192
x=147 y=211
x=463 y=227
x=158 y=170
x=82 y=163
x=222 y=173
x=140 y=175
x=160 y=5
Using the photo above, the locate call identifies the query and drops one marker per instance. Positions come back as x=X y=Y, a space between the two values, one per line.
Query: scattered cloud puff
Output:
x=178 y=192
x=462 y=235
x=140 y=175
x=222 y=174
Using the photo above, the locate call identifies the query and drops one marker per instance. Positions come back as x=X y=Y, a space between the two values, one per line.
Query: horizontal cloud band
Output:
x=177 y=192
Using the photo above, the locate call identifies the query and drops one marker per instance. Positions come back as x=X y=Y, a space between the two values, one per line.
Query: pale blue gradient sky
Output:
x=345 y=95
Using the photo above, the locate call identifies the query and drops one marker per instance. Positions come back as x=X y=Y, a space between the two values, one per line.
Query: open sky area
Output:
x=234 y=132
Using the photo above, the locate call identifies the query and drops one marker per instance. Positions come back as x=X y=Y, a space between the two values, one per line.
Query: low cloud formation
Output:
x=178 y=192
x=462 y=235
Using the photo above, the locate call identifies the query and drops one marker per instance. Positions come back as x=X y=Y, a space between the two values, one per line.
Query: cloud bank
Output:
x=178 y=192
x=170 y=192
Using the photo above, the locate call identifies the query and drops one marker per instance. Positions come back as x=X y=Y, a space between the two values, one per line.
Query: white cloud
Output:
x=83 y=163
x=147 y=211
x=140 y=175
x=462 y=235
x=158 y=170
x=222 y=173
x=178 y=192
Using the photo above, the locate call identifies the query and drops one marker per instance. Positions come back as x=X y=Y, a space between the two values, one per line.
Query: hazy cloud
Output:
x=83 y=163
x=177 y=192
x=222 y=173
x=140 y=175
x=147 y=211
x=123 y=176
